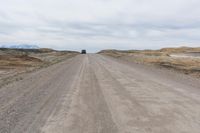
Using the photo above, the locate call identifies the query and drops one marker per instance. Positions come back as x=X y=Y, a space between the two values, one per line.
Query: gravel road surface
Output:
x=99 y=94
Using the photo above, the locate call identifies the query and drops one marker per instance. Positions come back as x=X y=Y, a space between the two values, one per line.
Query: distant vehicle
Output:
x=83 y=52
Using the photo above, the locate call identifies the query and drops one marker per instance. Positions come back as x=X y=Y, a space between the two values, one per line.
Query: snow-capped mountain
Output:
x=19 y=46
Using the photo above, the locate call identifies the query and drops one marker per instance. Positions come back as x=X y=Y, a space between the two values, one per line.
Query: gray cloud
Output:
x=100 y=24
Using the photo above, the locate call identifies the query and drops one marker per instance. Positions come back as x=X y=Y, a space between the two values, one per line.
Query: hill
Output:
x=16 y=61
x=182 y=59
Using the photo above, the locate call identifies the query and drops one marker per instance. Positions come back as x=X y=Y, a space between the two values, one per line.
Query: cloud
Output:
x=101 y=24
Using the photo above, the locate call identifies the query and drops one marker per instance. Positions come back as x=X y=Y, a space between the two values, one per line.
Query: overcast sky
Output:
x=100 y=24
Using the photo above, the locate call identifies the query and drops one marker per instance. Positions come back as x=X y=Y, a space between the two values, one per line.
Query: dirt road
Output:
x=98 y=94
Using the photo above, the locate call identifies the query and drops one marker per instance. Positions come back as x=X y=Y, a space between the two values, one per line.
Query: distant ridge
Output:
x=19 y=46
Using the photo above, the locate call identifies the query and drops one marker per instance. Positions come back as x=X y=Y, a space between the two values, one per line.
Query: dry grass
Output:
x=161 y=58
x=18 y=61
x=14 y=62
x=32 y=57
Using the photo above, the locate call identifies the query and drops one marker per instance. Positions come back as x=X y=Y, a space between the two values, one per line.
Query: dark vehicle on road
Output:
x=83 y=52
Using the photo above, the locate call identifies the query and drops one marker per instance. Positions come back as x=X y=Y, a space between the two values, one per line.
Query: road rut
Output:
x=99 y=94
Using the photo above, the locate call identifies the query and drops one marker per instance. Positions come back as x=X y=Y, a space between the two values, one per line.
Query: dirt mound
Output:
x=180 y=50
x=162 y=58
x=19 y=58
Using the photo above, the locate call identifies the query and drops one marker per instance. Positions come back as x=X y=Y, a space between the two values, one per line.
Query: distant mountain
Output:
x=19 y=46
